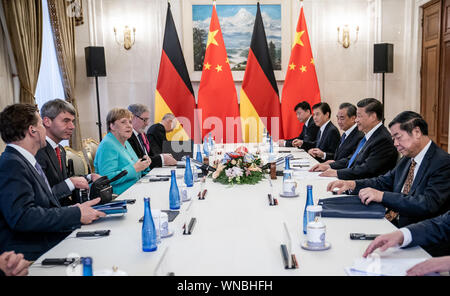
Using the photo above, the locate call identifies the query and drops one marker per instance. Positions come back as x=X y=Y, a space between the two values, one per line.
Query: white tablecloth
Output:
x=237 y=233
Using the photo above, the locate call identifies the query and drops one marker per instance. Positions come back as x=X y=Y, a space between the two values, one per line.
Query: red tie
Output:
x=144 y=139
x=58 y=154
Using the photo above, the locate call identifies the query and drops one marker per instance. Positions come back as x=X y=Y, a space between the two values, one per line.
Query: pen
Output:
x=191 y=225
x=284 y=254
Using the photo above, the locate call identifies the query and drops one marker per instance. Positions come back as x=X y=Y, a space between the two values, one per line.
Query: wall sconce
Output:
x=346 y=35
x=127 y=42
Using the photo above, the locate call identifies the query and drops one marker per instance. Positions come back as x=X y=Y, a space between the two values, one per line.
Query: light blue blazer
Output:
x=112 y=158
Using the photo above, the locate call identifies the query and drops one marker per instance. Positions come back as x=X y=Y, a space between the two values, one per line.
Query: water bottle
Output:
x=264 y=137
x=309 y=202
x=87 y=266
x=271 y=145
x=149 y=240
x=287 y=173
x=205 y=147
x=174 y=194
x=211 y=143
x=199 y=154
x=188 y=178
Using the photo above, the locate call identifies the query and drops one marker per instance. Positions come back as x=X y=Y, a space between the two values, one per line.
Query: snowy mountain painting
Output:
x=237 y=23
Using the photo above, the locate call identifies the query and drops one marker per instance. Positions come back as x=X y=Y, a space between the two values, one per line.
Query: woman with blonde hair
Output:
x=115 y=154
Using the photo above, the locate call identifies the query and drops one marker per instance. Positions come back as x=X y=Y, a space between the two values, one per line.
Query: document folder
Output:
x=116 y=207
x=350 y=207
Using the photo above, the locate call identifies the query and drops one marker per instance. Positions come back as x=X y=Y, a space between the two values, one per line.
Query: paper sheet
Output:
x=376 y=266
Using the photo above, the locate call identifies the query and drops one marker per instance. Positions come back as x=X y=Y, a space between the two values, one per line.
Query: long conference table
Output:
x=237 y=232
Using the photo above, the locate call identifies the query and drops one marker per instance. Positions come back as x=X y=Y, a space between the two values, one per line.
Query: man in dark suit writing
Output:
x=429 y=232
x=31 y=218
x=309 y=130
x=139 y=141
x=328 y=137
x=58 y=117
x=351 y=136
x=418 y=188
x=375 y=153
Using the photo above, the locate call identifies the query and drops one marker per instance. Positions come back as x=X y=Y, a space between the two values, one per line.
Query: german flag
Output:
x=260 y=102
x=174 y=93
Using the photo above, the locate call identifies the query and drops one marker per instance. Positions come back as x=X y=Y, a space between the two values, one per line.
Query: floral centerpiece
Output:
x=239 y=167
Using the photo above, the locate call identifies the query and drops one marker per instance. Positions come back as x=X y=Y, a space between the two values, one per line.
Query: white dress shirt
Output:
x=68 y=181
x=322 y=128
x=407 y=237
x=143 y=148
x=370 y=133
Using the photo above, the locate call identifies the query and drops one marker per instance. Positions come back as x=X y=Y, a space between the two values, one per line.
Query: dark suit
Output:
x=429 y=195
x=348 y=147
x=431 y=231
x=31 y=218
x=327 y=142
x=156 y=135
x=308 y=134
x=48 y=160
x=137 y=147
x=377 y=156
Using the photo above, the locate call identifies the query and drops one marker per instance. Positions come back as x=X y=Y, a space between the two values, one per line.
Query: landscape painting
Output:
x=236 y=22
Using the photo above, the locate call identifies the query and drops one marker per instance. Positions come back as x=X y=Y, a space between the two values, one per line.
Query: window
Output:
x=50 y=85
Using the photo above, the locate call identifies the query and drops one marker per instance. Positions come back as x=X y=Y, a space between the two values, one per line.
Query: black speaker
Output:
x=95 y=61
x=383 y=58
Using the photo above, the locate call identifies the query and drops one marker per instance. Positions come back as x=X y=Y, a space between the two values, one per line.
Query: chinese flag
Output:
x=260 y=103
x=174 y=93
x=217 y=98
x=301 y=80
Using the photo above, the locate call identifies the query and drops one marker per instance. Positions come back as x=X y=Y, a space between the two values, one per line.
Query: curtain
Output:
x=63 y=25
x=6 y=82
x=24 y=21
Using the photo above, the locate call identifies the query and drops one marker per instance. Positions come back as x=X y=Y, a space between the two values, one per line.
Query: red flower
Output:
x=242 y=149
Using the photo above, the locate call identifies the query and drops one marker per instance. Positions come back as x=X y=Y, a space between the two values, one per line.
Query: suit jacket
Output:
x=48 y=160
x=308 y=134
x=329 y=141
x=348 y=147
x=112 y=158
x=431 y=232
x=156 y=135
x=429 y=195
x=137 y=147
x=31 y=219
x=377 y=156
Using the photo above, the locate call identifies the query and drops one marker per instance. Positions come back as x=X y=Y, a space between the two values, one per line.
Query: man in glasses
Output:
x=139 y=141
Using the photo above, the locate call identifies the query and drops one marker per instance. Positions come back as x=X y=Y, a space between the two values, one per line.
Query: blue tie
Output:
x=319 y=137
x=343 y=139
x=361 y=144
x=41 y=173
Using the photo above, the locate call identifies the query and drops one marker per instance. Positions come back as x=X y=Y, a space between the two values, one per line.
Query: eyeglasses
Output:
x=144 y=120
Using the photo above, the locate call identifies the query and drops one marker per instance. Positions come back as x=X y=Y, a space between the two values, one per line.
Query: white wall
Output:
x=343 y=74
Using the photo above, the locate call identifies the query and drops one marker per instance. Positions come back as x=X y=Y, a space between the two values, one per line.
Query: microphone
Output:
x=279 y=161
x=117 y=177
x=203 y=166
x=70 y=168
